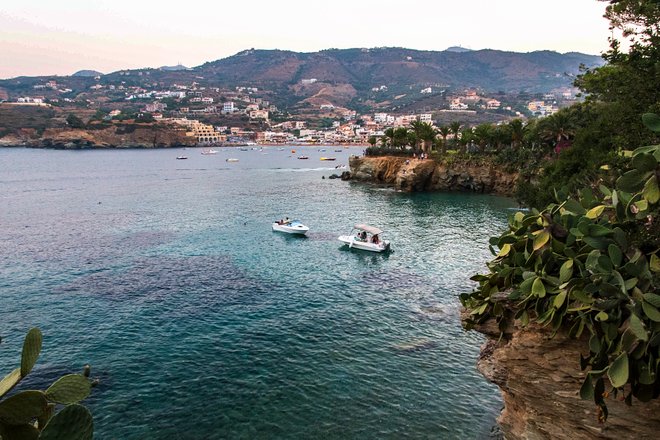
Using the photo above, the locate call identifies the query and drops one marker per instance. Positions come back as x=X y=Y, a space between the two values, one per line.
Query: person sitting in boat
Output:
x=363 y=236
x=375 y=239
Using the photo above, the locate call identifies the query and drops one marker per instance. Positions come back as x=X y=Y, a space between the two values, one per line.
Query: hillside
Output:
x=352 y=78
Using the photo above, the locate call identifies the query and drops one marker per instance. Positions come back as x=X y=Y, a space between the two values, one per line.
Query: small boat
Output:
x=322 y=150
x=338 y=151
x=243 y=149
x=290 y=227
x=293 y=151
x=231 y=159
x=366 y=238
x=207 y=152
x=328 y=158
x=182 y=157
x=303 y=157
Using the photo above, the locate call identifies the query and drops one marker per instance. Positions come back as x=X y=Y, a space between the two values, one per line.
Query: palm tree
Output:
x=556 y=128
x=484 y=134
x=455 y=128
x=389 y=137
x=424 y=133
x=444 y=132
x=400 y=137
x=417 y=127
x=372 y=141
x=517 y=131
x=427 y=135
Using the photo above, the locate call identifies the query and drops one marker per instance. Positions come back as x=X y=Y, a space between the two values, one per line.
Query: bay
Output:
x=202 y=323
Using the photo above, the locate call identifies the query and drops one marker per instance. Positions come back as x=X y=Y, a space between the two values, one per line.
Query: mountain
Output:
x=367 y=68
x=457 y=49
x=87 y=73
x=173 y=68
x=361 y=79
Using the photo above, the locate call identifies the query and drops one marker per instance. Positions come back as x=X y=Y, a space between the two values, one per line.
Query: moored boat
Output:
x=328 y=158
x=303 y=157
x=290 y=227
x=366 y=238
x=182 y=157
x=231 y=159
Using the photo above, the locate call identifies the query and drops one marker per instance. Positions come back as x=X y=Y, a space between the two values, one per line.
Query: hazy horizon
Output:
x=41 y=38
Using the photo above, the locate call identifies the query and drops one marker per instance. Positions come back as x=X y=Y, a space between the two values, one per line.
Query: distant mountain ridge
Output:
x=367 y=68
x=87 y=73
x=357 y=78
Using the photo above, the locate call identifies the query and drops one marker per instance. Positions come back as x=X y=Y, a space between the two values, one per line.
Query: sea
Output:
x=200 y=322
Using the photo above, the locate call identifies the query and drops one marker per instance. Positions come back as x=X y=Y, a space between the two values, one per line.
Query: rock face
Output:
x=540 y=379
x=124 y=136
x=427 y=175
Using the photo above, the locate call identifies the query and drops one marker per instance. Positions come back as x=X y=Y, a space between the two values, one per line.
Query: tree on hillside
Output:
x=74 y=121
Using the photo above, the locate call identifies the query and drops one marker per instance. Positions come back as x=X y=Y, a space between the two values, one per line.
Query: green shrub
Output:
x=589 y=262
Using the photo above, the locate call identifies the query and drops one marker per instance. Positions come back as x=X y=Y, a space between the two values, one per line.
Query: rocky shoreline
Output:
x=540 y=379
x=412 y=175
x=135 y=136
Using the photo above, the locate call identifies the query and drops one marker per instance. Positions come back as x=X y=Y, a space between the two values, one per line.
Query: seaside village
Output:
x=253 y=119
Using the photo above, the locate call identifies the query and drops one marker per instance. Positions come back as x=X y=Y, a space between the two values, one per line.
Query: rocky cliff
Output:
x=122 y=136
x=428 y=175
x=540 y=379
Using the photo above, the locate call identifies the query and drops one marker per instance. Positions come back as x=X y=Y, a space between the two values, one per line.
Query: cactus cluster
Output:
x=31 y=414
x=590 y=262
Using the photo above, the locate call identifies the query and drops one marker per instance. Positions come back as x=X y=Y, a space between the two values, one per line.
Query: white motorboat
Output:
x=209 y=152
x=290 y=227
x=366 y=238
x=231 y=159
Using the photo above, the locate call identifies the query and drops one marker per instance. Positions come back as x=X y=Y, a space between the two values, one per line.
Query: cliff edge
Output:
x=428 y=175
x=540 y=379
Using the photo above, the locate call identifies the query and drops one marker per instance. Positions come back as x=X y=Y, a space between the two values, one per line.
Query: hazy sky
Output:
x=44 y=37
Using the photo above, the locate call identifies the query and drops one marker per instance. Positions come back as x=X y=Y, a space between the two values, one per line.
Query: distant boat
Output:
x=338 y=151
x=322 y=150
x=243 y=149
x=328 y=158
x=293 y=151
x=181 y=157
x=303 y=157
x=207 y=152
x=231 y=159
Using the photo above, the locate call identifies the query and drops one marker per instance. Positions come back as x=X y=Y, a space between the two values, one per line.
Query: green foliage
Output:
x=31 y=414
x=74 y=121
x=588 y=263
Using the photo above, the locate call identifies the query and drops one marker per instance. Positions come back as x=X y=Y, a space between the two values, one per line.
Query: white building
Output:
x=228 y=107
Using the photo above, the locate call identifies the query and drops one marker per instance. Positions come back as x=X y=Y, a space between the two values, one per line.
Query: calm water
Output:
x=202 y=323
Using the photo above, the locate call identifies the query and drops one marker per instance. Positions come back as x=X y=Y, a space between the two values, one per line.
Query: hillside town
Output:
x=214 y=115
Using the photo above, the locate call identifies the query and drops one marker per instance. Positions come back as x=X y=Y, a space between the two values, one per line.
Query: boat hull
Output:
x=297 y=228
x=354 y=243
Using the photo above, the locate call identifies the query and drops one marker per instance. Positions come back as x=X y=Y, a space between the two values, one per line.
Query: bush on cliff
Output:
x=590 y=262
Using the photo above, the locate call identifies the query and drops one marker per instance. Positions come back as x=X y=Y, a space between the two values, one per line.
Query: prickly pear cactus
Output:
x=30 y=415
x=74 y=422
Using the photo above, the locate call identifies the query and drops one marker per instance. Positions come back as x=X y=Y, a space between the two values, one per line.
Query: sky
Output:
x=48 y=37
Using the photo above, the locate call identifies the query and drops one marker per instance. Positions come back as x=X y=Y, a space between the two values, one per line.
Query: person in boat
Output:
x=363 y=235
x=375 y=239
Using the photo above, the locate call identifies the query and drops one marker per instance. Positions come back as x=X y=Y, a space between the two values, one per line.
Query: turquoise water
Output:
x=202 y=323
